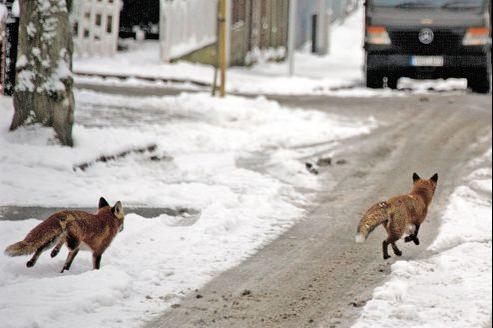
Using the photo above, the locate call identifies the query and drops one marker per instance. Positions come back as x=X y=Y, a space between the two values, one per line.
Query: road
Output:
x=314 y=274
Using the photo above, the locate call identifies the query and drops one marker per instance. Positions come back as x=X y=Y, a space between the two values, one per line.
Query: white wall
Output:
x=186 y=26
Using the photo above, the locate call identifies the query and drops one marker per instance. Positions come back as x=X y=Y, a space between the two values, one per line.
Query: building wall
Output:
x=257 y=25
x=307 y=8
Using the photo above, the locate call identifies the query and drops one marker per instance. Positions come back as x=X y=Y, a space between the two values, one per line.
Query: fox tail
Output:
x=43 y=235
x=20 y=248
x=376 y=215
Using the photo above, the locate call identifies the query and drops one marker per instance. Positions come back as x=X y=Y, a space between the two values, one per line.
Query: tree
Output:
x=43 y=92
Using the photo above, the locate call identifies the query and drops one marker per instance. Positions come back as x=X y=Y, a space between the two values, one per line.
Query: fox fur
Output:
x=73 y=228
x=400 y=215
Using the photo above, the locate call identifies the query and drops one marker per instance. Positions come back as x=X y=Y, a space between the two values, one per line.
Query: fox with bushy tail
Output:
x=400 y=215
x=73 y=228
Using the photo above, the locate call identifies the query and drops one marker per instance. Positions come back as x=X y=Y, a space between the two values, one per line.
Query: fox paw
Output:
x=30 y=264
x=412 y=238
x=54 y=253
x=398 y=253
x=386 y=257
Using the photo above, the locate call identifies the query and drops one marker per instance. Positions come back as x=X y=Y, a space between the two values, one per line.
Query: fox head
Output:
x=102 y=203
x=116 y=210
x=425 y=187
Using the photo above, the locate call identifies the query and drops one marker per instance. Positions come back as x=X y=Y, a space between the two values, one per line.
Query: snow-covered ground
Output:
x=452 y=287
x=206 y=145
x=340 y=73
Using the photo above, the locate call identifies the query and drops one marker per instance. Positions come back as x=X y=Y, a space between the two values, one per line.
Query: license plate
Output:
x=427 y=61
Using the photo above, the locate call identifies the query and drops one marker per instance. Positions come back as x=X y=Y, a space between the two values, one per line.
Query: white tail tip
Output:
x=359 y=238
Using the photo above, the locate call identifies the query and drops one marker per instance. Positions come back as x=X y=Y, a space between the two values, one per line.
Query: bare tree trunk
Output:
x=43 y=91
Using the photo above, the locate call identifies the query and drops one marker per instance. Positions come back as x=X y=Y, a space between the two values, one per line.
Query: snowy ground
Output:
x=207 y=144
x=340 y=73
x=451 y=288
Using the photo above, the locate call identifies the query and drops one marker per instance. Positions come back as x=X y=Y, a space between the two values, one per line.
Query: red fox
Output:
x=74 y=228
x=400 y=215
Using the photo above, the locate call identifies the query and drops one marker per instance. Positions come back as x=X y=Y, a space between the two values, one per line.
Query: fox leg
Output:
x=414 y=236
x=390 y=240
x=385 y=249
x=415 y=239
x=96 y=261
x=396 y=250
x=73 y=244
x=38 y=252
x=58 y=247
x=70 y=258
x=392 y=237
x=33 y=259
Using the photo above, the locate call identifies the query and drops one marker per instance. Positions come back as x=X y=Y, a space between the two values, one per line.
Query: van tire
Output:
x=480 y=82
x=392 y=82
x=374 y=79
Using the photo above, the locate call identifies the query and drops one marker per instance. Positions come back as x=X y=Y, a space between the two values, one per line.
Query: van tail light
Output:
x=477 y=36
x=377 y=35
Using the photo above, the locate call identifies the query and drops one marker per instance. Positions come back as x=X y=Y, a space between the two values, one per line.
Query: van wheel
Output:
x=480 y=82
x=392 y=82
x=374 y=79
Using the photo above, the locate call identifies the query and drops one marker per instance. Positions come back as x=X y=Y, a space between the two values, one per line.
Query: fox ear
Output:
x=102 y=203
x=434 y=178
x=117 y=210
x=415 y=177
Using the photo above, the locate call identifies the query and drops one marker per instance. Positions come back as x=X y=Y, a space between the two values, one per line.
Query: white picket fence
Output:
x=96 y=25
x=185 y=26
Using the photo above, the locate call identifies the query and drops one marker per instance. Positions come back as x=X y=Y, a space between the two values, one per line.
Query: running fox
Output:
x=400 y=215
x=74 y=228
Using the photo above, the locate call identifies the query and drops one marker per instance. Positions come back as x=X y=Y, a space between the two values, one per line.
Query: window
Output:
x=109 y=23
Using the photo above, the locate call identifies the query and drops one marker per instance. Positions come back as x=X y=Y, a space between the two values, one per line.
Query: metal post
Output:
x=291 y=35
x=222 y=46
x=322 y=37
x=343 y=12
x=314 y=33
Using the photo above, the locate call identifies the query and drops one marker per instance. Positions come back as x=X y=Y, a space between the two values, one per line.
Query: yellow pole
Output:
x=222 y=46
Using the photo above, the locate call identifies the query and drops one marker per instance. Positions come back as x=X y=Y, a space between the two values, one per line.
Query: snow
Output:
x=340 y=73
x=4 y=12
x=16 y=8
x=25 y=80
x=154 y=262
x=452 y=287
